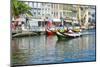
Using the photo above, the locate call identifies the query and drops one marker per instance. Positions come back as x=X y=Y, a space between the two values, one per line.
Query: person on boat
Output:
x=61 y=28
x=70 y=31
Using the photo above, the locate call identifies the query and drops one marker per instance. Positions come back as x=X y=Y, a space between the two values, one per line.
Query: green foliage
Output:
x=19 y=8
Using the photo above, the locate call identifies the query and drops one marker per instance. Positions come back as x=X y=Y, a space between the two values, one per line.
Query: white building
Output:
x=42 y=10
x=50 y=10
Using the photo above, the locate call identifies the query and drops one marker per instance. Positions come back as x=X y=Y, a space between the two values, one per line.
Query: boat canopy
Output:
x=56 y=20
x=37 y=19
x=68 y=21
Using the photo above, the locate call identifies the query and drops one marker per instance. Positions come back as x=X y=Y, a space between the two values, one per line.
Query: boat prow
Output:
x=67 y=35
x=73 y=34
x=49 y=32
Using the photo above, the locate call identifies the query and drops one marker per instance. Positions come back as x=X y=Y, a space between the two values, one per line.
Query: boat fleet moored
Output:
x=67 y=34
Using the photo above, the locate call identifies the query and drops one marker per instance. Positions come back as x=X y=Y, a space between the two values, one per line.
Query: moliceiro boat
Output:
x=68 y=35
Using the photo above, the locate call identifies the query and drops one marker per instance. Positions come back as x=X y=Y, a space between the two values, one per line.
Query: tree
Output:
x=18 y=8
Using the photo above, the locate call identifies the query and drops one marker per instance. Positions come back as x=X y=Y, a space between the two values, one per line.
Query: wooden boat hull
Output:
x=73 y=35
x=49 y=32
x=62 y=36
x=67 y=35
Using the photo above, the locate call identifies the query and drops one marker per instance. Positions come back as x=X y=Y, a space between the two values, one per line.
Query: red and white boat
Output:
x=49 y=28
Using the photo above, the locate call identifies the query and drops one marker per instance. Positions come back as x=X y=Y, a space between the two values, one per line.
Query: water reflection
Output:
x=42 y=49
x=80 y=49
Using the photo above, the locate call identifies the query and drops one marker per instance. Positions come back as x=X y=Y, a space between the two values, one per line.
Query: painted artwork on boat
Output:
x=52 y=33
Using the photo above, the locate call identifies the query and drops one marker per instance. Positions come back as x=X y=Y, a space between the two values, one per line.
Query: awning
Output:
x=56 y=20
x=37 y=19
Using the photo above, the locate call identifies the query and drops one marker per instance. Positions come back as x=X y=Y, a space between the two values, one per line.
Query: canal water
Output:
x=44 y=49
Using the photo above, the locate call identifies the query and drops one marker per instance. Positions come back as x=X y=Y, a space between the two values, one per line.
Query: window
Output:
x=93 y=15
x=39 y=5
x=93 y=20
x=51 y=5
x=34 y=13
x=42 y=8
x=48 y=14
x=38 y=13
x=89 y=13
x=48 y=5
x=30 y=4
x=89 y=20
x=45 y=8
x=42 y=14
x=52 y=12
x=35 y=5
x=56 y=13
x=48 y=9
x=60 y=13
x=43 y=4
x=39 y=23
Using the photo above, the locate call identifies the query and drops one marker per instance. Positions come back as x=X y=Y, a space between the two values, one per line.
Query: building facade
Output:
x=43 y=10
x=50 y=10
